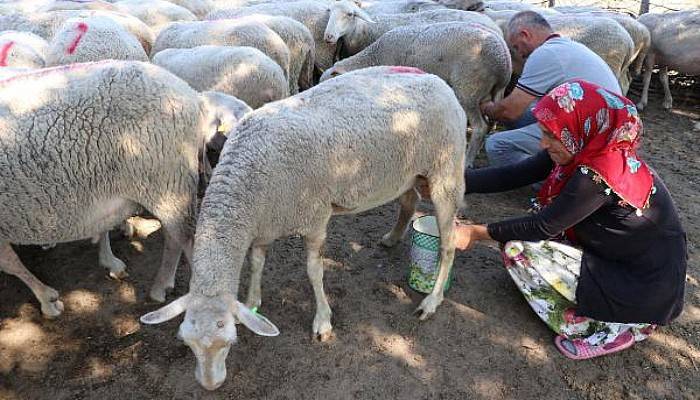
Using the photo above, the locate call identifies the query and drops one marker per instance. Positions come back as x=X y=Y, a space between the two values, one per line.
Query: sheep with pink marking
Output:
x=86 y=146
x=342 y=147
x=93 y=39
x=22 y=50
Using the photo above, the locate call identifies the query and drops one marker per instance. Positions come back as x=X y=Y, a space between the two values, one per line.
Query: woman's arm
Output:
x=580 y=198
x=508 y=177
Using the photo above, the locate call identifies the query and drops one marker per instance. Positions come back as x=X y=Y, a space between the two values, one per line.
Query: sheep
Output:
x=473 y=60
x=508 y=5
x=199 y=8
x=301 y=44
x=313 y=14
x=93 y=39
x=79 y=5
x=638 y=32
x=225 y=33
x=46 y=24
x=155 y=13
x=604 y=36
x=225 y=111
x=675 y=38
x=9 y=72
x=358 y=30
x=341 y=147
x=22 y=50
x=464 y=5
x=376 y=7
x=243 y=72
x=84 y=146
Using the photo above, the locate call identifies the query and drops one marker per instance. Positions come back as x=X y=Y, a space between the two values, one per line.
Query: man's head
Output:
x=527 y=30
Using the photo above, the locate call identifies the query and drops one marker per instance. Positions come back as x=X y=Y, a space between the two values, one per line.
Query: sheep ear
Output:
x=364 y=16
x=167 y=312
x=254 y=321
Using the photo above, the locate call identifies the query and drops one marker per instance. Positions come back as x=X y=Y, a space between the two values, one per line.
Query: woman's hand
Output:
x=467 y=235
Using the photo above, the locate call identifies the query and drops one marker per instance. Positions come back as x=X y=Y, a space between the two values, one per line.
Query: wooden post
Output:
x=644 y=7
x=551 y=3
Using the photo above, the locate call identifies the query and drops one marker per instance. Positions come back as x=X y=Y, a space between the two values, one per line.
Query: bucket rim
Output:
x=413 y=225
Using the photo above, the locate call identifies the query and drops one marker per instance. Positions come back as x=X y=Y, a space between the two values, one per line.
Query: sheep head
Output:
x=343 y=19
x=209 y=329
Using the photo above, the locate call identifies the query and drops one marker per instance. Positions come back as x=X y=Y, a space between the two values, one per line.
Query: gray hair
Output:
x=527 y=19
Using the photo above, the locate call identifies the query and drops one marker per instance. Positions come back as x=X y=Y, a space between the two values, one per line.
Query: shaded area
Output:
x=483 y=343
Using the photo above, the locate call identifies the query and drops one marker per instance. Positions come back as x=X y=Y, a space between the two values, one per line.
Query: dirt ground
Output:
x=483 y=343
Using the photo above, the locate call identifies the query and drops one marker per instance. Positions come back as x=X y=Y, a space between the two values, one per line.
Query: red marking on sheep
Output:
x=37 y=73
x=4 y=52
x=82 y=27
x=405 y=70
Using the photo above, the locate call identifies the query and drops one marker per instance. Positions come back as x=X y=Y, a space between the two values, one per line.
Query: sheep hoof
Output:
x=427 y=307
x=323 y=330
x=324 y=337
x=667 y=104
x=118 y=275
x=157 y=294
x=116 y=267
x=52 y=309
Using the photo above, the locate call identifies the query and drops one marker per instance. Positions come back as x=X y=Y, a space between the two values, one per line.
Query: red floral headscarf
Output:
x=602 y=131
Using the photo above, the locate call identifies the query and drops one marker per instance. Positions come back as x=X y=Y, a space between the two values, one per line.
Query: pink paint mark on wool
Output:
x=82 y=27
x=405 y=70
x=4 y=52
x=38 y=73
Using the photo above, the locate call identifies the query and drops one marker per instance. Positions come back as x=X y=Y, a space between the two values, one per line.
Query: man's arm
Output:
x=510 y=108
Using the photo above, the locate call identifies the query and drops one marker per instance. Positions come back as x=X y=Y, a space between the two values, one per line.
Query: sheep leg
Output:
x=116 y=267
x=173 y=247
x=479 y=131
x=649 y=62
x=663 y=77
x=322 y=328
x=257 y=262
x=51 y=307
x=446 y=201
x=408 y=202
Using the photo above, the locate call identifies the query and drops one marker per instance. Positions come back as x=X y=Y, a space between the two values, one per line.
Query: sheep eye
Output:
x=220 y=324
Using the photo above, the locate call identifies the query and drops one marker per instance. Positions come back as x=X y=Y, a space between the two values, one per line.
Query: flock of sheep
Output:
x=326 y=107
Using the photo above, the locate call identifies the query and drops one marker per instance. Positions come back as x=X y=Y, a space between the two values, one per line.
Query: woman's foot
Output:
x=577 y=349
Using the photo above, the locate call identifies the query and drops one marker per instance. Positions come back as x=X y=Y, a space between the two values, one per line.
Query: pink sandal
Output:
x=577 y=349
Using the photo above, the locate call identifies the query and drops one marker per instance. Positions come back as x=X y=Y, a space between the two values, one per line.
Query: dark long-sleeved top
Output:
x=633 y=267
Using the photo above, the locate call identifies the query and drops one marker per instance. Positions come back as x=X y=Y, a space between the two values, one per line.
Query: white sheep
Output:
x=638 y=32
x=243 y=72
x=87 y=145
x=182 y=35
x=301 y=44
x=675 y=44
x=78 y=5
x=465 y=5
x=157 y=14
x=199 y=8
x=473 y=60
x=358 y=30
x=22 y=50
x=374 y=7
x=313 y=14
x=341 y=147
x=604 y=36
x=47 y=24
x=93 y=39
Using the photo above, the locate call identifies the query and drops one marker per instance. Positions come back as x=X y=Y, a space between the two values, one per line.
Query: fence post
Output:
x=644 y=7
x=551 y=3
